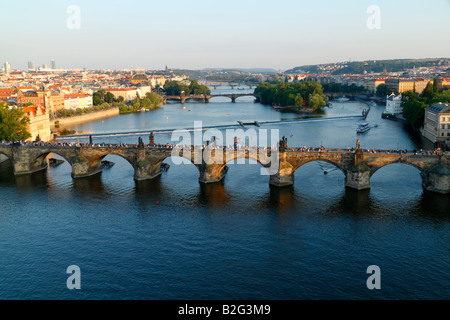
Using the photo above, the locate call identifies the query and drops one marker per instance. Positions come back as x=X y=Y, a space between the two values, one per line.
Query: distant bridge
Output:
x=206 y=97
x=333 y=95
x=357 y=166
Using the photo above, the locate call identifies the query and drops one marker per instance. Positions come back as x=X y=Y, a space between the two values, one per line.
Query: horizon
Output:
x=232 y=35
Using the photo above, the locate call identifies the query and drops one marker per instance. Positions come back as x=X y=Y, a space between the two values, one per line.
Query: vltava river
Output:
x=173 y=238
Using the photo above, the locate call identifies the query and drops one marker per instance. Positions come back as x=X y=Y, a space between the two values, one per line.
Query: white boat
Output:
x=363 y=127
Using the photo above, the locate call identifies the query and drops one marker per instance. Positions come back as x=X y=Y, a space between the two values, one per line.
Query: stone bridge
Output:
x=206 y=97
x=357 y=166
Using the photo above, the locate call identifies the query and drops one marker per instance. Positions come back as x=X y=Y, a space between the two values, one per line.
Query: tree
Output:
x=13 y=124
x=383 y=90
x=435 y=86
x=316 y=101
x=428 y=92
x=414 y=112
x=298 y=100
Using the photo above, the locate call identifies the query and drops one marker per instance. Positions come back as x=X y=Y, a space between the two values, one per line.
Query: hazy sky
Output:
x=197 y=34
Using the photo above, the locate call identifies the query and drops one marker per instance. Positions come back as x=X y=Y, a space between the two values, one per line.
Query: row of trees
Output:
x=175 y=88
x=64 y=113
x=13 y=124
x=307 y=94
x=102 y=96
x=414 y=104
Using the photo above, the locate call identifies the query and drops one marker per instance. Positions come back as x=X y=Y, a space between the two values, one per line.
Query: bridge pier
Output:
x=358 y=178
x=25 y=162
x=24 y=167
x=437 y=179
x=147 y=166
x=211 y=173
x=83 y=168
x=284 y=177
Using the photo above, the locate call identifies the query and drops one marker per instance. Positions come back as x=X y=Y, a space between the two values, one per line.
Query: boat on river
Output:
x=363 y=127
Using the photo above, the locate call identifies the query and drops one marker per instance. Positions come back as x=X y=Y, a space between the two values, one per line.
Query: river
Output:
x=173 y=238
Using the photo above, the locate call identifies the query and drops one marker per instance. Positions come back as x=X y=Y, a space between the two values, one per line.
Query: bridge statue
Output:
x=283 y=144
x=152 y=139
x=141 y=143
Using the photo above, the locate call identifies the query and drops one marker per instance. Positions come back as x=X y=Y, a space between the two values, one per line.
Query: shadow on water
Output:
x=353 y=202
x=433 y=206
x=90 y=186
x=213 y=194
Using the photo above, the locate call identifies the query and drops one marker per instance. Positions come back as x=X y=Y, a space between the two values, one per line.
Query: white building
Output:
x=7 y=67
x=77 y=101
x=436 y=125
x=394 y=104
x=130 y=93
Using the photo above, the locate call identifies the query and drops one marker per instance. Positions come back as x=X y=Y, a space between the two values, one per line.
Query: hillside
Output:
x=358 y=67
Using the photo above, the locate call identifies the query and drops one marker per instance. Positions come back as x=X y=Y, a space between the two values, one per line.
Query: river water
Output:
x=173 y=238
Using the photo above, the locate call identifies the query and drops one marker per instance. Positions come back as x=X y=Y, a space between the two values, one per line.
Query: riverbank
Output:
x=88 y=117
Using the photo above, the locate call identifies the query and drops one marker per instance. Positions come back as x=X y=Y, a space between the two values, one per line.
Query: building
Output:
x=53 y=64
x=372 y=84
x=29 y=97
x=394 y=104
x=6 y=94
x=77 y=101
x=39 y=125
x=31 y=66
x=7 y=67
x=129 y=94
x=157 y=81
x=445 y=83
x=139 y=78
x=403 y=85
x=436 y=125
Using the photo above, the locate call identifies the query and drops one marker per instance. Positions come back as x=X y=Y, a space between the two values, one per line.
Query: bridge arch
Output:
x=117 y=154
x=39 y=161
x=220 y=97
x=398 y=161
x=246 y=96
x=9 y=156
x=397 y=174
x=337 y=165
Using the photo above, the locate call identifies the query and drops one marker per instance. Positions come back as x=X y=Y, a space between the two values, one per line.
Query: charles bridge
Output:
x=357 y=165
x=206 y=97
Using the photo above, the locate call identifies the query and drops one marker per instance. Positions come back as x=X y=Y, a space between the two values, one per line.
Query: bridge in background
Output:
x=357 y=166
x=206 y=97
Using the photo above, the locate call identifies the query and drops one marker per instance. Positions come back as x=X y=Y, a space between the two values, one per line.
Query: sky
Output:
x=199 y=34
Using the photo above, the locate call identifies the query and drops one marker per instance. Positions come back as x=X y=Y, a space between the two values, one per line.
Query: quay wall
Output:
x=97 y=115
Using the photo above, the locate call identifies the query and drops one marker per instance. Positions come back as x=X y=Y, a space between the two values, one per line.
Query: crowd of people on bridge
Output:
x=214 y=146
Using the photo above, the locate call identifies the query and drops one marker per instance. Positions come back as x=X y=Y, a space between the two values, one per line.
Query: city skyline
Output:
x=254 y=34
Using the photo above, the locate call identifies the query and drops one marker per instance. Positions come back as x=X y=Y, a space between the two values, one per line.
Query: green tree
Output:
x=13 y=124
x=383 y=90
x=435 y=86
x=413 y=112
x=316 y=101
